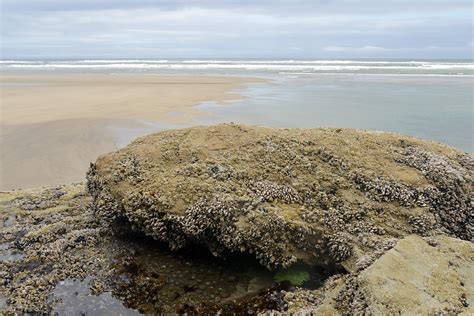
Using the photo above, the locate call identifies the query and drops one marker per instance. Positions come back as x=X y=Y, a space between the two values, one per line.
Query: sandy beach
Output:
x=52 y=126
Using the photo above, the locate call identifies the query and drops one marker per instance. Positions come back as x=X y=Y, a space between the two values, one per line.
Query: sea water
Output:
x=430 y=99
x=433 y=108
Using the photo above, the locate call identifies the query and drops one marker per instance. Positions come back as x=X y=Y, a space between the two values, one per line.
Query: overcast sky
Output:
x=237 y=29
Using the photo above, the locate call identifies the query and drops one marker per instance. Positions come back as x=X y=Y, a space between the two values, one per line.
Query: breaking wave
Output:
x=305 y=66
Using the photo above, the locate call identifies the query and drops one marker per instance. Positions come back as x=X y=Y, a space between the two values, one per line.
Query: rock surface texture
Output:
x=388 y=217
x=328 y=197
x=419 y=278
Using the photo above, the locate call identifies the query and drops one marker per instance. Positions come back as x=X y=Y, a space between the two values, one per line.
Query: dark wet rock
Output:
x=270 y=300
x=3 y=302
x=8 y=254
x=8 y=221
x=322 y=196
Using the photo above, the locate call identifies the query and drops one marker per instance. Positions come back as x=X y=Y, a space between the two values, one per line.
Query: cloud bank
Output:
x=237 y=29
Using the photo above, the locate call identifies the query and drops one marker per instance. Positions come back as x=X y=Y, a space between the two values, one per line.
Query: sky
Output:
x=237 y=29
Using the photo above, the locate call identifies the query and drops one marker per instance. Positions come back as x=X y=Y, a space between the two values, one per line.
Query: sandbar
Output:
x=52 y=126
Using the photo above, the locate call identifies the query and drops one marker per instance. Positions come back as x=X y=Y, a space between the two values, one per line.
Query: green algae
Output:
x=295 y=275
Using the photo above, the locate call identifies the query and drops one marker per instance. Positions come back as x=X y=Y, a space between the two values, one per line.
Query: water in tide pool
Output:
x=150 y=279
x=430 y=99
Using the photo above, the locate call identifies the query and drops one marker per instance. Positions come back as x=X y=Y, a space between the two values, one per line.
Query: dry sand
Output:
x=52 y=126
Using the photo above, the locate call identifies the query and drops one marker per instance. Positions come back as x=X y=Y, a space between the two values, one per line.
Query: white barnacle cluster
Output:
x=339 y=246
x=421 y=224
x=383 y=190
x=94 y=183
x=211 y=221
x=46 y=199
x=450 y=199
x=272 y=191
x=381 y=247
x=106 y=206
x=76 y=239
x=332 y=159
x=351 y=298
x=267 y=236
x=128 y=169
x=466 y=160
x=353 y=220
x=436 y=168
x=220 y=172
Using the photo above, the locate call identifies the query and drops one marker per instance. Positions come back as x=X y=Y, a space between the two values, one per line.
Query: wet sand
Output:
x=52 y=126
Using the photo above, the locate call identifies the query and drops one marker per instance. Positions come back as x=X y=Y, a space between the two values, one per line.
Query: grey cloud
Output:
x=284 y=6
x=145 y=28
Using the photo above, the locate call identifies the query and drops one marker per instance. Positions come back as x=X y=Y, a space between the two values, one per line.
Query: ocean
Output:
x=430 y=99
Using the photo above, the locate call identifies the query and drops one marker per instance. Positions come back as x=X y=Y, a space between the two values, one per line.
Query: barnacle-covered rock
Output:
x=323 y=196
x=58 y=239
x=48 y=198
x=451 y=198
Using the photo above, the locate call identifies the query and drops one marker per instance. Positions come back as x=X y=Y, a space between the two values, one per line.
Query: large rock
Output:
x=323 y=196
x=418 y=278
